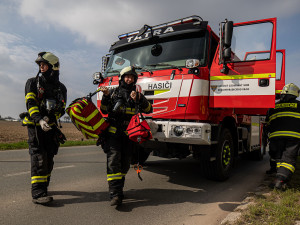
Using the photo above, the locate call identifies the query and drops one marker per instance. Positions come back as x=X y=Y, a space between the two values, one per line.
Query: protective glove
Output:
x=44 y=125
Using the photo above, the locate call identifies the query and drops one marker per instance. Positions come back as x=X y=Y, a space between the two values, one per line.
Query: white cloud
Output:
x=17 y=57
x=98 y=21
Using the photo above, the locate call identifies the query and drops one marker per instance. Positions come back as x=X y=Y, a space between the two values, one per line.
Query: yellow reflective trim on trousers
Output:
x=284 y=134
x=112 y=129
x=287 y=166
x=284 y=114
x=243 y=76
x=148 y=108
x=33 y=110
x=39 y=179
x=116 y=176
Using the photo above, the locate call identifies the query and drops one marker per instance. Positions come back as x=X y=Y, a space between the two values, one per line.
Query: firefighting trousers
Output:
x=42 y=149
x=275 y=154
x=285 y=152
x=118 y=149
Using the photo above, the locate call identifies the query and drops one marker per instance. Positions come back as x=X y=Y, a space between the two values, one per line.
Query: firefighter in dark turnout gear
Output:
x=45 y=98
x=284 y=134
x=120 y=105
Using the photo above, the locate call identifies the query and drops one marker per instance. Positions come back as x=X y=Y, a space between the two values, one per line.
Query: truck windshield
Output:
x=160 y=54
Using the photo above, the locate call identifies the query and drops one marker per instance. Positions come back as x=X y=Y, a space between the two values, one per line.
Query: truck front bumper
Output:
x=181 y=132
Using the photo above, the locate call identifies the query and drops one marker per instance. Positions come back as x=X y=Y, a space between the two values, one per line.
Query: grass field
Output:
x=275 y=207
x=14 y=136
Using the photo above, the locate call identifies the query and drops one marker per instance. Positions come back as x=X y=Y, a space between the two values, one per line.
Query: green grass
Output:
x=24 y=145
x=276 y=207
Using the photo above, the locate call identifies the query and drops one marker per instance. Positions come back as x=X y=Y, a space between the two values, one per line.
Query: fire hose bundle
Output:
x=86 y=117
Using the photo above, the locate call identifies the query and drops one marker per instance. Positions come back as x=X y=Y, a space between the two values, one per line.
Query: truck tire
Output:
x=220 y=168
x=139 y=155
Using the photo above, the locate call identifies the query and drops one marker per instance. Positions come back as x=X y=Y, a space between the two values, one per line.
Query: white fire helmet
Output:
x=291 y=89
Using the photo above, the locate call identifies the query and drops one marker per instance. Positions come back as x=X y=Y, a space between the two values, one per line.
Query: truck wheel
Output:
x=139 y=155
x=220 y=168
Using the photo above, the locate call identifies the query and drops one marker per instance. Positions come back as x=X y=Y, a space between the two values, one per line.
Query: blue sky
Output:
x=81 y=32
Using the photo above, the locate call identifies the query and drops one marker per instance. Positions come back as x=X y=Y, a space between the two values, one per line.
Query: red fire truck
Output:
x=209 y=93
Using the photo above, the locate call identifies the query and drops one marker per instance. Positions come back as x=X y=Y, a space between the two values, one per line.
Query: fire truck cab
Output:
x=209 y=92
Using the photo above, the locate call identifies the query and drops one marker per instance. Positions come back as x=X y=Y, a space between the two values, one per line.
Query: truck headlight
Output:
x=192 y=63
x=96 y=76
x=178 y=130
x=193 y=130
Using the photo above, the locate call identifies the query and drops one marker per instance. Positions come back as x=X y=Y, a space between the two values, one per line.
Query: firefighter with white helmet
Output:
x=120 y=104
x=284 y=134
x=45 y=98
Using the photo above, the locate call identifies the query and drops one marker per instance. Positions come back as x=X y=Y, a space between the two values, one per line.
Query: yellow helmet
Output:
x=49 y=58
x=129 y=70
x=291 y=89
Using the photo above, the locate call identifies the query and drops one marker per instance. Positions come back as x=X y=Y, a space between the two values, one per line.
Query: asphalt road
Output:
x=172 y=191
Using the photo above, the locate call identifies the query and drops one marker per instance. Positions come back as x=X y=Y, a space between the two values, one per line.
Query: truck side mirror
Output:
x=225 y=44
x=227 y=53
x=228 y=29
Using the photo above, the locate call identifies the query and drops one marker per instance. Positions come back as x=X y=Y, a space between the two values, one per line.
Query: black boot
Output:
x=116 y=201
x=272 y=170
x=273 y=167
x=43 y=199
x=280 y=185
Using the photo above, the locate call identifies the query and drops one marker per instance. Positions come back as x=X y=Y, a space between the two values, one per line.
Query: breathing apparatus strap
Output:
x=40 y=89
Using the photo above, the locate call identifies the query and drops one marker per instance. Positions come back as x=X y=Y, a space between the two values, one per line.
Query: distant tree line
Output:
x=65 y=119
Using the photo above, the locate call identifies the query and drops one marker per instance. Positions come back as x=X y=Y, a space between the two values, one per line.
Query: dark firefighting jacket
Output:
x=37 y=91
x=284 y=120
x=120 y=108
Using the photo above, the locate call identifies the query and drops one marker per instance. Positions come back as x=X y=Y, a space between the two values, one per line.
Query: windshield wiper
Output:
x=113 y=71
x=143 y=68
x=166 y=64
